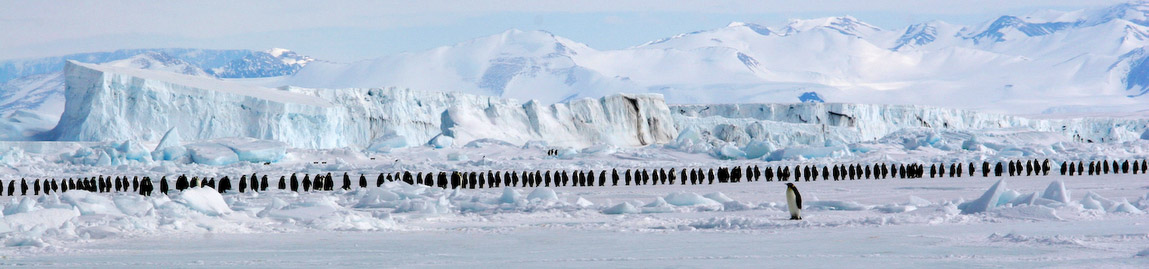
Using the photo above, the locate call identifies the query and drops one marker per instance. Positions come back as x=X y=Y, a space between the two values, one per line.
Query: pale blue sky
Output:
x=354 y=30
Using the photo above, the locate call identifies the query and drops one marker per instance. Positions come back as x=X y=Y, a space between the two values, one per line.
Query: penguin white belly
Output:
x=795 y=212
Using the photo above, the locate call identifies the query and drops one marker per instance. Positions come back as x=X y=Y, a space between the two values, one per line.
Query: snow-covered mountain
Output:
x=272 y=63
x=160 y=62
x=526 y=65
x=1042 y=61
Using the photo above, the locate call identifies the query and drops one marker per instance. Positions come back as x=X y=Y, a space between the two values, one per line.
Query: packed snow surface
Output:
x=79 y=228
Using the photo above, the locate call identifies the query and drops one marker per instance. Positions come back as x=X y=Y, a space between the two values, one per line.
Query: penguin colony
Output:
x=588 y=178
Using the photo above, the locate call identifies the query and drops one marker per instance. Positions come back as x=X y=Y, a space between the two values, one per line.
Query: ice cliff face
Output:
x=107 y=103
x=827 y=124
x=110 y=103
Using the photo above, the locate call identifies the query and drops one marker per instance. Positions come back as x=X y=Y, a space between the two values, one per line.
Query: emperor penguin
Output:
x=794 y=200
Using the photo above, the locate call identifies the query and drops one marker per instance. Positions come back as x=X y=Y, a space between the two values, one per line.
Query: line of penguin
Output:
x=471 y=180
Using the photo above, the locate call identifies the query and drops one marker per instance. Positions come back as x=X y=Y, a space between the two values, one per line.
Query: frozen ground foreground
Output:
x=866 y=223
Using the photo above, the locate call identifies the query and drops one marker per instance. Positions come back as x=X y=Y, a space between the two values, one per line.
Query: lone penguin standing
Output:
x=794 y=200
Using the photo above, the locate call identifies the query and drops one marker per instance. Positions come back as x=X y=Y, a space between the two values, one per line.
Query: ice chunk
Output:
x=14 y=155
x=894 y=208
x=731 y=133
x=90 y=203
x=543 y=194
x=718 y=197
x=376 y=198
x=104 y=160
x=441 y=141
x=170 y=147
x=47 y=218
x=988 y=200
x=758 y=148
x=1006 y=197
x=134 y=151
x=659 y=205
x=387 y=142
x=510 y=196
x=689 y=199
x=204 y=200
x=1056 y=192
x=689 y=134
x=1088 y=202
x=423 y=206
x=212 y=154
x=918 y=201
x=971 y=144
x=1026 y=199
x=622 y=208
x=27 y=204
x=730 y=152
x=1102 y=202
x=689 y=139
x=584 y=203
x=255 y=150
x=736 y=206
x=1028 y=213
x=1126 y=207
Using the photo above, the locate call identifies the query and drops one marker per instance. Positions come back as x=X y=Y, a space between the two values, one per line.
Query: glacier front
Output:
x=108 y=103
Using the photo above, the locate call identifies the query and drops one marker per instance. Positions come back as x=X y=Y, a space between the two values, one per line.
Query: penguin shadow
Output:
x=787 y=219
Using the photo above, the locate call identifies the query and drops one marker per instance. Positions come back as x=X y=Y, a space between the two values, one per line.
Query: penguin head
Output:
x=790 y=185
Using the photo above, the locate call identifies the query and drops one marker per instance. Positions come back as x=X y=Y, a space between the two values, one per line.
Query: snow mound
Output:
x=837 y=205
x=1041 y=213
x=621 y=208
x=510 y=196
x=736 y=206
x=659 y=205
x=204 y=200
x=1126 y=207
x=718 y=197
x=584 y=203
x=90 y=203
x=377 y=198
x=895 y=208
